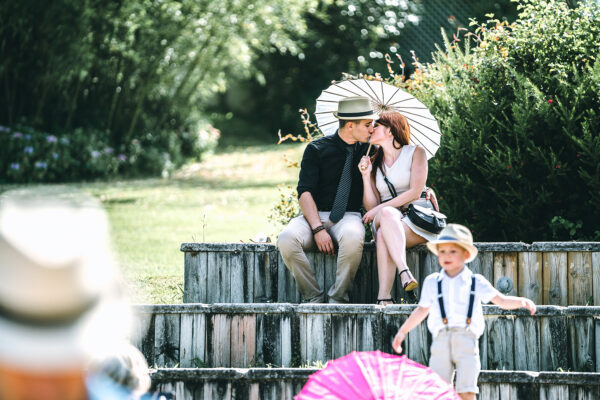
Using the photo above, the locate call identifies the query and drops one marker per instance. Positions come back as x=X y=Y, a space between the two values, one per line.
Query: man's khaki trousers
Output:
x=296 y=238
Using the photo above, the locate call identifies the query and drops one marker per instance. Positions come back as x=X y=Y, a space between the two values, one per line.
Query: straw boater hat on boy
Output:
x=60 y=301
x=459 y=235
x=353 y=108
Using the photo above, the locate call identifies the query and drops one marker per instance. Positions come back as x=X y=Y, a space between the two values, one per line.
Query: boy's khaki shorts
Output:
x=457 y=349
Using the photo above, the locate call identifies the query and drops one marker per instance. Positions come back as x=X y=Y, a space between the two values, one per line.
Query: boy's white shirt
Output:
x=456 y=293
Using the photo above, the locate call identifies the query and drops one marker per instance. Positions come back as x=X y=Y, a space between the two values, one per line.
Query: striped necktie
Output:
x=343 y=191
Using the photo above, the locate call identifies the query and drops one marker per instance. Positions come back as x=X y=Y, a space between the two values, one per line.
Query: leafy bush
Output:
x=519 y=109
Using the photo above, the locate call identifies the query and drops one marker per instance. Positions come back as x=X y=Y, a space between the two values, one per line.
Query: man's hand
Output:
x=324 y=242
x=398 y=339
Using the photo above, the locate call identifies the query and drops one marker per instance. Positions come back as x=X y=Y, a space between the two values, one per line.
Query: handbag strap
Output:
x=391 y=187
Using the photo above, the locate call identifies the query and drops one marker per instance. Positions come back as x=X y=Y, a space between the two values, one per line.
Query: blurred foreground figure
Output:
x=60 y=301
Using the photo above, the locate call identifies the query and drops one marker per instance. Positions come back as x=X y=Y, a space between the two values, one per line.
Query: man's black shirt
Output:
x=321 y=169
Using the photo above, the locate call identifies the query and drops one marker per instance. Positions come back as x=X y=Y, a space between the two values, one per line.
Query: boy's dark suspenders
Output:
x=471 y=301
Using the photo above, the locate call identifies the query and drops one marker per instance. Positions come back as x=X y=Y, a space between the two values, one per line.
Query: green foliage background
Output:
x=519 y=108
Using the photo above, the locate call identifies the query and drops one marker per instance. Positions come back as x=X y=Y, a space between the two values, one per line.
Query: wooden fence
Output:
x=284 y=383
x=287 y=335
x=553 y=273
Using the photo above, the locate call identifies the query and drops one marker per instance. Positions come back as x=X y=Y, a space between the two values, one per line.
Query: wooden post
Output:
x=343 y=335
x=555 y=279
x=580 y=277
x=221 y=340
x=505 y=272
x=596 y=279
x=166 y=340
x=287 y=290
x=554 y=348
x=195 y=277
x=530 y=276
x=583 y=339
x=192 y=340
x=500 y=334
x=238 y=286
x=361 y=291
x=243 y=341
x=527 y=343
x=484 y=265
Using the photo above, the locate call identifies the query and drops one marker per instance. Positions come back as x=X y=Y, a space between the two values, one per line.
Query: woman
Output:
x=404 y=166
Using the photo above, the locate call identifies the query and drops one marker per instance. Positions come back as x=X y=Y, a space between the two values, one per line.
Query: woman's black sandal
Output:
x=410 y=285
x=379 y=301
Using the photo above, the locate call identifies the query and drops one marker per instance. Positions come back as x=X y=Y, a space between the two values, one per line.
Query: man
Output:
x=330 y=196
x=60 y=300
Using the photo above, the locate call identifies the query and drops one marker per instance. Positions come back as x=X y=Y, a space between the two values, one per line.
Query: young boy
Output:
x=454 y=297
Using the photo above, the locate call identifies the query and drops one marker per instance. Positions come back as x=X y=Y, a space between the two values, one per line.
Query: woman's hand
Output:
x=370 y=215
x=365 y=166
x=432 y=197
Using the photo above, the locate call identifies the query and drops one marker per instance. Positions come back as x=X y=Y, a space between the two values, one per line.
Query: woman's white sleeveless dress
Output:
x=399 y=175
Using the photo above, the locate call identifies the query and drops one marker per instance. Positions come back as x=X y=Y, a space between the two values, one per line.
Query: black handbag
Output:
x=424 y=217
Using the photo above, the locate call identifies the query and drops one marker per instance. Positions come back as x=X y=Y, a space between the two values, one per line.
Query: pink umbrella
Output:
x=375 y=375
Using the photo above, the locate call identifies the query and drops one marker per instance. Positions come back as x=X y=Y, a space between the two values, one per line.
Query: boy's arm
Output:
x=415 y=318
x=513 y=302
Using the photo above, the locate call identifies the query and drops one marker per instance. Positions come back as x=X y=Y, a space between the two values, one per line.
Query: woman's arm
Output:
x=370 y=193
x=418 y=177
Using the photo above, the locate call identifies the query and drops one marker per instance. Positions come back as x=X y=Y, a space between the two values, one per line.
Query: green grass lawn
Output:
x=225 y=198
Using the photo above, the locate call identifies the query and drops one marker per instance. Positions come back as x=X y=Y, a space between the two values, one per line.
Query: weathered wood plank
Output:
x=505 y=273
x=195 y=277
x=261 y=265
x=213 y=276
x=287 y=290
x=484 y=265
x=361 y=291
x=530 y=276
x=583 y=340
x=286 y=324
x=419 y=343
x=580 y=277
x=248 y=263
x=557 y=392
x=343 y=335
x=166 y=339
x=243 y=340
x=390 y=323
x=143 y=335
x=554 y=348
x=221 y=340
x=500 y=349
x=596 y=277
x=268 y=347
x=318 y=326
x=368 y=332
x=555 y=279
x=237 y=277
x=527 y=344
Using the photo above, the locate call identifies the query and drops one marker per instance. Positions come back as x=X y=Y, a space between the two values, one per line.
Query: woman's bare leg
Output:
x=386 y=269
x=398 y=237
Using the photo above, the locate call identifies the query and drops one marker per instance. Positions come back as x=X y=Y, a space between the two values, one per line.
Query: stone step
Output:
x=288 y=335
x=284 y=383
x=552 y=273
